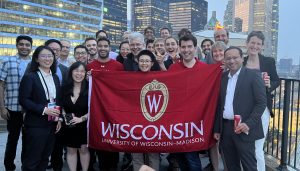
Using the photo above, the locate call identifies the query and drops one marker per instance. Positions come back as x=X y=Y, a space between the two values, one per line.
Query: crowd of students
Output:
x=46 y=96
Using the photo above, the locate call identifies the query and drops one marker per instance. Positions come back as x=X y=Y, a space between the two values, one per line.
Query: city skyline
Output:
x=288 y=13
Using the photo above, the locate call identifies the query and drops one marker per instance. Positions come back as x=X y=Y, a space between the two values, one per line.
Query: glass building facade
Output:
x=73 y=20
x=115 y=20
x=191 y=14
x=153 y=13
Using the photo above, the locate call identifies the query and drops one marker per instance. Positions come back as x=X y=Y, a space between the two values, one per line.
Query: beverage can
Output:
x=264 y=75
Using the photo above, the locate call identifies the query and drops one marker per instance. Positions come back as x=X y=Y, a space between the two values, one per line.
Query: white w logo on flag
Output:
x=154 y=103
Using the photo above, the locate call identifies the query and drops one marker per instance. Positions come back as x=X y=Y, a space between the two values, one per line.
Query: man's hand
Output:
x=217 y=136
x=4 y=113
x=242 y=127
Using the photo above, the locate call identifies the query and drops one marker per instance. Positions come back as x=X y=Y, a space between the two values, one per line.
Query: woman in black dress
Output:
x=75 y=105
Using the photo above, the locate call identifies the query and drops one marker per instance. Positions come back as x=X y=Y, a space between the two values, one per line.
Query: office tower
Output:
x=228 y=16
x=115 y=20
x=153 y=13
x=256 y=15
x=72 y=20
x=191 y=14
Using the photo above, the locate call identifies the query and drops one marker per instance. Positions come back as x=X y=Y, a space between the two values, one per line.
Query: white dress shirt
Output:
x=228 y=112
x=50 y=84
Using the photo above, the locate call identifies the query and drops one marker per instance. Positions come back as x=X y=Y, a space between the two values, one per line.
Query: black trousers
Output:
x=14 y=126
x=236 y=151
x=57 y=153
x=39 y=144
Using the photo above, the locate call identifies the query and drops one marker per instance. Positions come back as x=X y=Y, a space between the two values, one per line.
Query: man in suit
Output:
x=242 y=93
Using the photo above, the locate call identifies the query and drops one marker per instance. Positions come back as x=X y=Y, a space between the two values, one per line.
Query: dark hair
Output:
x=103 y=39
x=23 y=37
x=258 y=34
x=184 y=32
x=149 y=28
x=120 y=58
x=165 y=28
x=68 y=88
x=149 y=41
x=124 y=42
x=81 y=46
x=187 y=38
x=34 y=66
x=172 y=38
x=48 y=42
x=207 y=40
x=155 y=66
x=99 y=31
x=227 y=32
x=89 y=38
x=236 y=48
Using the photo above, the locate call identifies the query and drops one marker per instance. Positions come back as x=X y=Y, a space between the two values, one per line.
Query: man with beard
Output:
x=222 y=35
x=107 y=160
x=91 y=44
x=206 y=47
x=103 y=62
x=102 y=33
x=11 y=73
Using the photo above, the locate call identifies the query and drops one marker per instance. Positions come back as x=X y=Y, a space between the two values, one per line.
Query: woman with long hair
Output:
x=75 y=109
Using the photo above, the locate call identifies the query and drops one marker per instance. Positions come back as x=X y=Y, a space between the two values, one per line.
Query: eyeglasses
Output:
x=46 y=56
x=80 y=53
x=145 y=62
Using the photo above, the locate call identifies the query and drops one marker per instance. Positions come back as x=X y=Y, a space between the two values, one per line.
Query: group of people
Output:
x=46 y=98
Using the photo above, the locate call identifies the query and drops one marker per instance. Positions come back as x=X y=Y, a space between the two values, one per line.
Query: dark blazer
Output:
x=64 y=71
x=267 y=64
x=249 y=101
x=33 y=99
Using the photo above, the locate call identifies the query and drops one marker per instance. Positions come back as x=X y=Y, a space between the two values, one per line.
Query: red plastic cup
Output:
x=57 y=107
x=237 y=120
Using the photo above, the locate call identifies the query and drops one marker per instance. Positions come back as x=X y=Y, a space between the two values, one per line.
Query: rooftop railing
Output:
x=283 y=137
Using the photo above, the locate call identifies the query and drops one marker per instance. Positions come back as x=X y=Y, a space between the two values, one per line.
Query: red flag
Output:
x=155 y=111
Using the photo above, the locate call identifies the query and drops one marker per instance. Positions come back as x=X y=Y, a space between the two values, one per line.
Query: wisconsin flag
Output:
x=154 y=111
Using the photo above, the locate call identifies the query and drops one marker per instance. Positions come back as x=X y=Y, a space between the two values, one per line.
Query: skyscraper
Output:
x=256 y=15
x=275 y=21
x=191 y=14
x=228 y=16
x=72 y=20
x=153 y=13
x=238 y=25
x=114 y=19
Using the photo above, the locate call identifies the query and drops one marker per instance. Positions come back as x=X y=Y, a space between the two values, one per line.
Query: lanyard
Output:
x=44 y=83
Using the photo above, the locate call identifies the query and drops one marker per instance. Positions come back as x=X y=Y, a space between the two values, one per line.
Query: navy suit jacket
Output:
x=267 y=64
x=32 y=98
x=249 y=101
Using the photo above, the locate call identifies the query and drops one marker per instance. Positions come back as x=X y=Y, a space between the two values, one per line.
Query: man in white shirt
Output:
x=242 y=93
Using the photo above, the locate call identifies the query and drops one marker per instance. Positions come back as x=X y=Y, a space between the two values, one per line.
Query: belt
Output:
x=228 y=120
